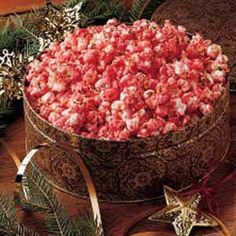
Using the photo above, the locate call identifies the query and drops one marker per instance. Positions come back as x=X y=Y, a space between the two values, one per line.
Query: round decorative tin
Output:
x=133 y=170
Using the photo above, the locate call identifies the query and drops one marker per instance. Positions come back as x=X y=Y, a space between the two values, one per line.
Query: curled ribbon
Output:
x=22 y=166
x=206 y=190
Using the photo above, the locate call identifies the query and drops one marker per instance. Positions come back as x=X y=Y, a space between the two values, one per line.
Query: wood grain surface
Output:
x=11 y=6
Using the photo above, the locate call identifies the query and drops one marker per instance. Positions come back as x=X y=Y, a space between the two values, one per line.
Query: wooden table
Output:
x=11 y=6
x=118 y=217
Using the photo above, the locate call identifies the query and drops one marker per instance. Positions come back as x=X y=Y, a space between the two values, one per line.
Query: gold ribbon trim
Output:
x=11 y=153
x=22 y=166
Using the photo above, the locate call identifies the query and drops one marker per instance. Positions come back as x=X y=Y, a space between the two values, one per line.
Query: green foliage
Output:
x=72 y=3
x=7 y=212
x=99 y=12
x=143 y=9
x=28 y=24
x=16 y=38
x=58 y=221
x=11 y=39
x=39 y=196
x=87 y=226
x=9 y=225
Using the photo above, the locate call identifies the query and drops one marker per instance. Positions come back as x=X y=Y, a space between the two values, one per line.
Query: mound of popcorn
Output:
x=119 y=81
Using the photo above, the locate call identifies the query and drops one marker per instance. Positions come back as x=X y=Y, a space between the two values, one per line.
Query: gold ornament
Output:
x=182 y=213
x=56 y=22
x=12 y=69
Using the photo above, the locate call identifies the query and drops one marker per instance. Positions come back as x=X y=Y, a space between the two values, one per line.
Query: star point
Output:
x=182 y=213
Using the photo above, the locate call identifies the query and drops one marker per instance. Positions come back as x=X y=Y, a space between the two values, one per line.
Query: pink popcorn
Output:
x=180 y=68
x=119 y=81
x=151 y=102
x=123 y=134
x=214 y=50
x=205 y=108
x=132 y=124
x=169 y=126
x=218 y=76
x=161 y=111
x=149 y=128
x=180 y=107
x=73 y=119
x=48 y=98
x=118 y=105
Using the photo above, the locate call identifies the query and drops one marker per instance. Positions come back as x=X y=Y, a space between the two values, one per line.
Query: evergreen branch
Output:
x=87 y=226
x=72 y=3
x=7 y=213
x=12 y=39
x=39 y=193
x=33 y=206
x=143 y=9
x=98 y=12
x=21 y=25
x=37 y=190
x=58 y=221
x=21 y=230
x=9 y=225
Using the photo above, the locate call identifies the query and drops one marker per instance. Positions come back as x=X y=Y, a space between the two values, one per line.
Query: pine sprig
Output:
x=12 y=38
x=58 y=222
x=87 y=226
x=99 y=12
x=40 y=196
x=7 y=212
x=37 y=190
x=9 y=225
x=143 y=9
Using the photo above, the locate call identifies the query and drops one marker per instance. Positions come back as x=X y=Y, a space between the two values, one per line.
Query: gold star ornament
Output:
x=182 y=213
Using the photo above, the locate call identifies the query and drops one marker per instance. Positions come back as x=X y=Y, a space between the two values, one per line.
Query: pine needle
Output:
x=99 y=12
x=9 y=225
x=87 y=226
x=39 y=195
x=143 y=9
